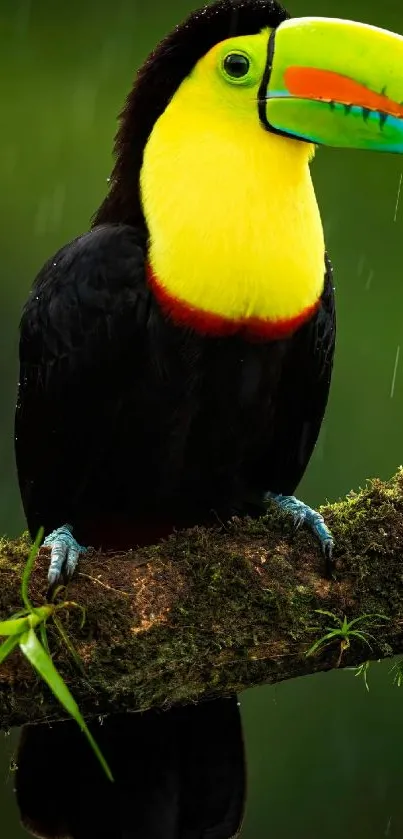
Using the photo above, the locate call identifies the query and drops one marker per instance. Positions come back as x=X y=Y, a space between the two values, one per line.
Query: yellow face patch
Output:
x=228 y=90
x=233 y=221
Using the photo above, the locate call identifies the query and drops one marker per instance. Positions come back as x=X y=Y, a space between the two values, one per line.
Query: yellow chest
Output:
x=234 y=226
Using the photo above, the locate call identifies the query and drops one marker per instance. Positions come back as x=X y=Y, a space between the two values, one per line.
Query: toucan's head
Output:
x=170 y=64
x=214 y=146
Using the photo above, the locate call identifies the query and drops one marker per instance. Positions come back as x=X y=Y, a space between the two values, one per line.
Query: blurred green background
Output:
x=324 y=755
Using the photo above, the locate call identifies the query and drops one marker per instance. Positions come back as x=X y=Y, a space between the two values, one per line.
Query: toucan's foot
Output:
x=302 y=514
x=65 y=551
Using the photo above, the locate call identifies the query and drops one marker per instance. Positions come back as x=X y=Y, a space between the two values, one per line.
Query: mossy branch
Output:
x=211 y=612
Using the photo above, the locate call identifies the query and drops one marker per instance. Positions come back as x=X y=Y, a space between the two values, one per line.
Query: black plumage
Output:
x=128 y=426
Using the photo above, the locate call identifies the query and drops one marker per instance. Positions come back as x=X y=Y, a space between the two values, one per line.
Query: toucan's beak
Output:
x=336 y=83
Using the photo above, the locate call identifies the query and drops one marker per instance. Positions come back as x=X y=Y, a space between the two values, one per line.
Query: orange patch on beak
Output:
x=327 y=86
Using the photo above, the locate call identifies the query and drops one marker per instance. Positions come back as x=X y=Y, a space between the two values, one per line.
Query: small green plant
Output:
x=397 y=671
x=362 y=671
x=21 y=630
x=343 y=632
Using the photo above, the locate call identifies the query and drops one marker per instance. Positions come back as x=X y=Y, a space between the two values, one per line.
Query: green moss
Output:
x=210 y=612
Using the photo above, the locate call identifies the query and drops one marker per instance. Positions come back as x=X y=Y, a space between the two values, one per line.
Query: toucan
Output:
x=175 y=364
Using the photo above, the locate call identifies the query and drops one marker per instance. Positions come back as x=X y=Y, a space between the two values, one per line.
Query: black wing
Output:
x=85 y=316
x=300 y=400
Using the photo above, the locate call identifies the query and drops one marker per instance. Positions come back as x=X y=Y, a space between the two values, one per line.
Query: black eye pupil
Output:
x=236 y=65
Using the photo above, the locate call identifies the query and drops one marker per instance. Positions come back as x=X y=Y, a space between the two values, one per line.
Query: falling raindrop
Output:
x=398 y=196
x=369 y=280
x=392 y=389
x=57 y=202
x=41 y=217
x=83 y=105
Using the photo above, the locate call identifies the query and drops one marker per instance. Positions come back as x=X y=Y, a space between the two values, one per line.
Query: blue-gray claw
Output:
x=65 y=552
x=302 y=514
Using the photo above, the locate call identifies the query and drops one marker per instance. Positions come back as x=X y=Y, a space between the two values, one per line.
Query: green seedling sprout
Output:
x=343 y=632
x=362 y=671
x=21 y=630
x=397 y=670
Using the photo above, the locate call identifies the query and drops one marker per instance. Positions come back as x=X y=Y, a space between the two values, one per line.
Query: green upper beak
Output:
x=337 y=83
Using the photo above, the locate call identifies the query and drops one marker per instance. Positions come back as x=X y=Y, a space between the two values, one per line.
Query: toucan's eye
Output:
x=236 y=65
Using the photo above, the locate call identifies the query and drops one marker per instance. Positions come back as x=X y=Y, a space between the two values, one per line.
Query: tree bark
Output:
x=210 y=612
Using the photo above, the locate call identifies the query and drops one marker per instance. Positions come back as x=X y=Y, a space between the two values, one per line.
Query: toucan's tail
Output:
x=179 y=774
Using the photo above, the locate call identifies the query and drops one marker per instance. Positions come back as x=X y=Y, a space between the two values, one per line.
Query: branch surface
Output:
x=211 y=612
